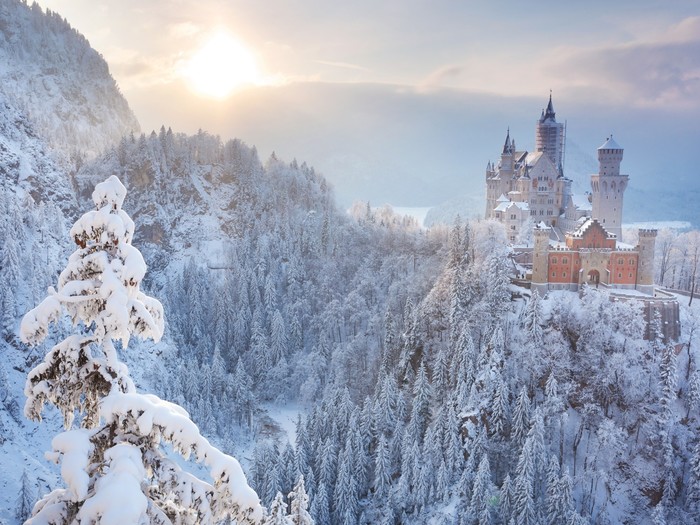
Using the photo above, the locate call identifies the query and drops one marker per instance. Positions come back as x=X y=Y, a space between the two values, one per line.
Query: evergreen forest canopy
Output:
x=427 y=391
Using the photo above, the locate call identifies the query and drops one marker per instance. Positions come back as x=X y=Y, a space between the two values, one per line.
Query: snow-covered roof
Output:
x=503 y=198
x=583 y=227
x=610 y=144
x=503 y=206
x=581 y=201
x=587 y=224
x=533 y=157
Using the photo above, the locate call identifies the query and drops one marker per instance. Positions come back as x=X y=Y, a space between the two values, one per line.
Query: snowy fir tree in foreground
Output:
x=111 y=453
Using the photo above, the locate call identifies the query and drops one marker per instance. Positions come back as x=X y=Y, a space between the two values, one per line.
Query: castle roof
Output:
x=581 y=202
x=504 y=206
x=509 y=145
x=610 y=144
x=549 y=113
x=581 y=231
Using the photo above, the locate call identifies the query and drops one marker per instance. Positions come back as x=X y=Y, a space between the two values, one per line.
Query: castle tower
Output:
x=549 y=136
x=540 y=259
x=609 y=187
x=645 y=268
x=498 y=179
x=507 y=154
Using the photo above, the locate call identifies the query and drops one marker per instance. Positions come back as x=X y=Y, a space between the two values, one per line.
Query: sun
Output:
x=221 y=66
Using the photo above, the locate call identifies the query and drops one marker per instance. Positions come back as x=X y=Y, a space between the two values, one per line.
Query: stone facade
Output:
x=591 y=255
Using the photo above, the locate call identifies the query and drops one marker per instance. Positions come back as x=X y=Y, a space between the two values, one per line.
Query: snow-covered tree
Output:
x=25 y=499
x=113 y=463
x=299 y=503
x=532 y=320
x=277 y=514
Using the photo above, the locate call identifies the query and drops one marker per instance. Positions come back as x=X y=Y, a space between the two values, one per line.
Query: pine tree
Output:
x=521 y=417
x=118 y=446
x=25 y=499
x=500 y=407
x=479 y=507
x=693 y=497
x=382 y=473
x=533 y=320
x=299 y=502
x=277 y=514
x=523 y=502
x=505 y=500
x=346 y=494
x=320 y=507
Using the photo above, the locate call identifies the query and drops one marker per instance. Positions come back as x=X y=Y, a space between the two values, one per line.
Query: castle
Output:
x=576 y=238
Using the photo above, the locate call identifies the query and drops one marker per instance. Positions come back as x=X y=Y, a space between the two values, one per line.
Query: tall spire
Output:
x=549 y=112
x=508 y=146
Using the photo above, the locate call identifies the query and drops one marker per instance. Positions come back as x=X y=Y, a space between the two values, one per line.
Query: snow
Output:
x=75 y=447
x=118 y=495
x=610 y=144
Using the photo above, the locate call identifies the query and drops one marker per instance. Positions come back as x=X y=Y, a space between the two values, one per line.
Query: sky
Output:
x=405 y=101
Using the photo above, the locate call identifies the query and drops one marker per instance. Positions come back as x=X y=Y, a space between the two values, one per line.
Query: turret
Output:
x=609 y=157
x=609 y=187
x=645 y=267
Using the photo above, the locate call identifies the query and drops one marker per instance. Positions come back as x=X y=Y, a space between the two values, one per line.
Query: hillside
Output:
x=63 y=86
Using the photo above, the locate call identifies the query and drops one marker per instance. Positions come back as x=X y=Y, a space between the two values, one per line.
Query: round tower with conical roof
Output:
x=608 y=187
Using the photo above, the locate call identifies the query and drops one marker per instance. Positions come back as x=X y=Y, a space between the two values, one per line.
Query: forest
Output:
x=429 y=388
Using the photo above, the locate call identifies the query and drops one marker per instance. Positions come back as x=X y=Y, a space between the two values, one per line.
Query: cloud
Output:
x=444 y=76
x=343 y=65
x=663 y=73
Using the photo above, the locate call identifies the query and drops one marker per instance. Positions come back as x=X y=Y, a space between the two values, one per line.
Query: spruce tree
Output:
x=299 y=503
x=113 y=462
x=25 y=499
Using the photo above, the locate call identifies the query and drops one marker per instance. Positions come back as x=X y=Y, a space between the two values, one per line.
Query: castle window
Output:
x=512 y=227
x=564 y=260
x=631 y=262
x=554 y=260
x=563 y=274
x=554 y=274
x=512 y=216
x=619 y=275
x=541 y=212
x=630 y=275
x=620 y=261
x=549 y=212
x=533 y=212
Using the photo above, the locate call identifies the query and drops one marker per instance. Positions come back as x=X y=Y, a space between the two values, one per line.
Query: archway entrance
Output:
x=593 y=277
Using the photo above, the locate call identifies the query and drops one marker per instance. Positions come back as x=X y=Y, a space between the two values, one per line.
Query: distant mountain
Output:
x=49 y=71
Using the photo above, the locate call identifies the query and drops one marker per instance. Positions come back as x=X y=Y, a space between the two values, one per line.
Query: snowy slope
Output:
x=49 y=70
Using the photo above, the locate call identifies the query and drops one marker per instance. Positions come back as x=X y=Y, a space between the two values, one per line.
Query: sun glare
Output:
x=221 y=66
